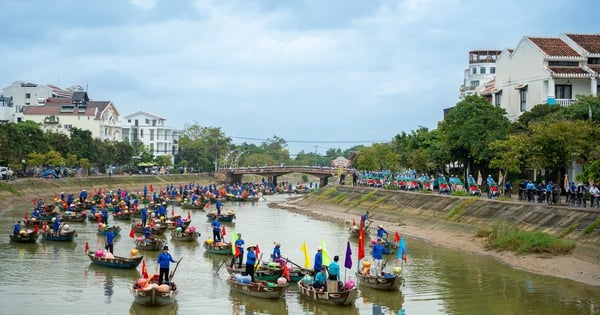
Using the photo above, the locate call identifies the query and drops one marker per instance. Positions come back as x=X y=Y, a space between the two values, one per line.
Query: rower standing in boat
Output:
x=364 y=218
x=164 y=261
x=216 y=225
x=56 y=225
x=239 y=244
x=318 y=260
x=276 y=256
x=219 y=206
x=17 y=228
x=334 y=269
x=144 y=215
x=378 y=251
x=110 y=239
x=250 y=261
x=381 y=231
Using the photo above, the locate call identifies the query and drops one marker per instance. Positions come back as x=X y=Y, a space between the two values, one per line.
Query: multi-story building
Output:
x=60 y=114
x=546 y=70
x=482 y=69
x=151 y=131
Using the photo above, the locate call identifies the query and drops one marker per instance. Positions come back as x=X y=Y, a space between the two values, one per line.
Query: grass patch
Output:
x=483 y=233
x=569 y=229
x=459 y=193
x=506 y=237
x=504 y=198
x=10 y=188
x=339 y=198
x=380 y=200
x=328 y=192
x=364 y=198
x=590 y=228
x=459 y=210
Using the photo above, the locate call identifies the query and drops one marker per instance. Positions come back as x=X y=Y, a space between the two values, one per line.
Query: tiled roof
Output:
x=567 y=70
x=555 y=47
x=589 y=42
x=55 y=109
x=596 y=68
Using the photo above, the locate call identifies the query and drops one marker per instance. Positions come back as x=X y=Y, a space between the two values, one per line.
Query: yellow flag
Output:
x=306 y=257
x=324 y=253
x=234 y=238
x=500 y=178
x=479 y=178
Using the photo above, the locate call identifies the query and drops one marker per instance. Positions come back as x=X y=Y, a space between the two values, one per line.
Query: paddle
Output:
x=223 y=262
x=293 y=263
x=173 y=272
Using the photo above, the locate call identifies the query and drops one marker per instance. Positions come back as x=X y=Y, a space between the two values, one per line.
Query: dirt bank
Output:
x=459 y=238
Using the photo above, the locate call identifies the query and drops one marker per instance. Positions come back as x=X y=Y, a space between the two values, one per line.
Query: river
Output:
x=57 y=278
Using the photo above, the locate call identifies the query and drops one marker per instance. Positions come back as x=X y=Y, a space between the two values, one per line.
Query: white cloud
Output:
x=144 y=4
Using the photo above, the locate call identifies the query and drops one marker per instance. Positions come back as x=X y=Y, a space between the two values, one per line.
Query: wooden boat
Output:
x=154 y=295
x=116 y=262
x=157 y=229
x=29 y=237
x=149 y=243
x=199 y=205
x=342 y=297
x=218 y=248
x=222 y=218
x=102 y=230
x=269 y=275
x=185 y=236
x=354 y=231
x=389 y=281
x=123 y=216
x=74 y=217
x=259 y=289
x=390 y=247
x=61 y=236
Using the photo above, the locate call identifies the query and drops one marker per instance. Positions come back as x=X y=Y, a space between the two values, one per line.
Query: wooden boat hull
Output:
x=219 y=250
x=156 y=230
x=184 y=237
x=380 y=283
x=74 y=218
x=222 y=218
x=270 y=275
x=341 y=298
x=261 y=289
x=117 y=262
x=354 y=231
x=149 y=244
x=60 y=237
x=26 y=238
x=103 y=232
x=153 y=297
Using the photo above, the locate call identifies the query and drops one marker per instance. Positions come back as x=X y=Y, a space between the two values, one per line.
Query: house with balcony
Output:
x=546 y=70
x=481 y=70
x=151 y=131
x=60 y=114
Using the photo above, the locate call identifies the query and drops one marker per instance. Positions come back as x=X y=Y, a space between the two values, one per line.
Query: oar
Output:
x=221 y=264
x=386 y=261
x=173 y=272
x=295 y=264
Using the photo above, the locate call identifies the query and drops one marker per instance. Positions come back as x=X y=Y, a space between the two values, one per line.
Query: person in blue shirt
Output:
x=17 y=228
x=320 y=279
x=219 y=205
x=334 y=269
x=180 y=222
x=216 y=226
x=250 y=261
x=110 y=238
x=276 y=256
x=471 y=180
x=147 y=232
x=364 y=218
x=381 y=231
x=56 y=225
x=164 y=261
x=318 y=260
x=239 y=244
x=104 y=216
x=144 y=215
x=378 y=251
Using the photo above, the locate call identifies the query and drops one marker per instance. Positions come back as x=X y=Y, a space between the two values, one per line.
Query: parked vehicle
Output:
x=6 y=172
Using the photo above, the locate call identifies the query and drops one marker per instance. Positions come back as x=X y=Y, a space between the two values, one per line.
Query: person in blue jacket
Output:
x=250 y=261
x=381 y=231
x=56 y=225
x=216 y=226
x=318 y=260
x=378 y=251
x=144 y=215
x=17 y=228
x=164 y=261
x=320 y=279
x=110 y=239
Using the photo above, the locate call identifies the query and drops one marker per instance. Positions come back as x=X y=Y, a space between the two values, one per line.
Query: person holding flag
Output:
x=239 y=252
x=250 y=261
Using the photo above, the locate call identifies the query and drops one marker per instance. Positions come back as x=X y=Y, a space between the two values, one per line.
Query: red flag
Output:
x=286 y=272
x=353 y=222
x=396 y=237
x=99 y=217
x=144 y=269
x=131 y=232
x=207 y=205
x=223 y=231
x=173 y=211
x=237 y=251
x=189 y=215
x=151 y=188
x=257 y=250
x=36 y=228
x=87 y=247
x=25 y=215
x=361 y=243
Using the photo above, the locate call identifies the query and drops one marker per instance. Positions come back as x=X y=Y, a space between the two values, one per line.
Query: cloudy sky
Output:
x=319 y=74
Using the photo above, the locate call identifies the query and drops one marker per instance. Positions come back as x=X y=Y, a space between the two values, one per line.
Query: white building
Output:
x=60 y=114
x=482 y=69
x=151 y=131
x=546 y=70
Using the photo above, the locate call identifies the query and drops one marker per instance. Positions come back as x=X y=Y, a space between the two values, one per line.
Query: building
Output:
x=151 y=131
x=60 y=114
x=482 y=69
x=546 y=70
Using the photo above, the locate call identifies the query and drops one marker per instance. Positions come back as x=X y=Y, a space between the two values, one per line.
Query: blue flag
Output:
x=348 y=262
x=402 y=250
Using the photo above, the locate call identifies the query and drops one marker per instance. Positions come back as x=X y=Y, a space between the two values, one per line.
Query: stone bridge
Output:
x=233 y=175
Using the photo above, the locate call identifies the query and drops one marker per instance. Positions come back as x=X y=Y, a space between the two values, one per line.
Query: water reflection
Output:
x=243 y=304
x=315 y=308
x=138 y=309
x=385 y=300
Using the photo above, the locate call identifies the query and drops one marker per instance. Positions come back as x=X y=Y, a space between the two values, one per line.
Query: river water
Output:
x=55 y=278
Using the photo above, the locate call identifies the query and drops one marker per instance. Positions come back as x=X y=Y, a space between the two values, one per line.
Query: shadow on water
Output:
x=390 y=300
x=138 y=309
x=243 y=304
x=311 y=307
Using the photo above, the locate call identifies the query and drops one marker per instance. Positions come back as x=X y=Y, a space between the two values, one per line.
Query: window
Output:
x=563 y=91
x=136 y=123
x=27 y=95
x=498 y=98
x=147 y=121
x=594 y=61
x=68 y=127
x=563 y=63
x=482 y=70
x=473 y=70
x=493 y=70
x=141 y=133
x=523 y=99
x=474 y=84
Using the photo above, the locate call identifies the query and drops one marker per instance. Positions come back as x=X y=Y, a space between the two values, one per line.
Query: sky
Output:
x=318 y=74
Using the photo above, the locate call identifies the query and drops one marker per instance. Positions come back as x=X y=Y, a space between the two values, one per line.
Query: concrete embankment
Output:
x=461 y=214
